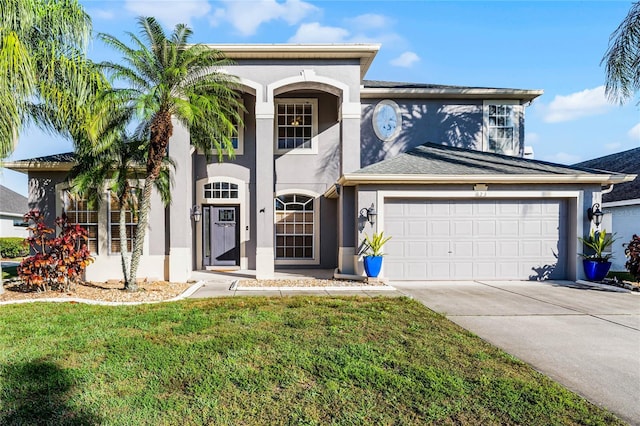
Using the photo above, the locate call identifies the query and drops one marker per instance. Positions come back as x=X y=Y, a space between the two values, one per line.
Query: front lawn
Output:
x=265 y=361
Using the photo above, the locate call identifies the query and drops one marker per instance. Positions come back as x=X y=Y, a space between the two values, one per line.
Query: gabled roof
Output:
x=621 y=162
x=435 y=163
x=11 y=202
x=55 y=162
x=378 y=89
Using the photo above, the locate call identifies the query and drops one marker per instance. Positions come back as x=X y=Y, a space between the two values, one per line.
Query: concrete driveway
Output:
x=586 y=339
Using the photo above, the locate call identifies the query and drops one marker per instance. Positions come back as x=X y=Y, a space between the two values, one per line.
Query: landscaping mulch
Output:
x=111 y=291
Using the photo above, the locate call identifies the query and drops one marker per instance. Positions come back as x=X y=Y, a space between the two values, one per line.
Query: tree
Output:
x=622 y=59
x=41 y=67
x=167 y=78
x=118 y=167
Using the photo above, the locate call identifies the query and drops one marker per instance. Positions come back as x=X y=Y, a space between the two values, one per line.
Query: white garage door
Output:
x=475 y=239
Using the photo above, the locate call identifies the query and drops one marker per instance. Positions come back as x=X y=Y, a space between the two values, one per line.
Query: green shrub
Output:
x=11 y=247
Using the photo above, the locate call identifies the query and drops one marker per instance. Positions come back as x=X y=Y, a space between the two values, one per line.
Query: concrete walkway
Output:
x=586 y=339
x=218 y=284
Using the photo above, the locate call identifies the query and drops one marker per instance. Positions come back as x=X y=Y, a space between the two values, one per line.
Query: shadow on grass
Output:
x=39 y=393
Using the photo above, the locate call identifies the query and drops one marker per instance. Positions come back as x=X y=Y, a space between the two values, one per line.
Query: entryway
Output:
x=221 y=236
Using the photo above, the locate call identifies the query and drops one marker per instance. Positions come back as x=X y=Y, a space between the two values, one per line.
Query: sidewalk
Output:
x=223 y=284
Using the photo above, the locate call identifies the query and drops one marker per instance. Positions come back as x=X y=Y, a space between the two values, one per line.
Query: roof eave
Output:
x=365 y=52
x=450 y=93
x=360 y=179
x=27 y=166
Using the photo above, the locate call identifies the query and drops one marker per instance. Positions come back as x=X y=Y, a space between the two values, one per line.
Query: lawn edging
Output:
x=188 y=292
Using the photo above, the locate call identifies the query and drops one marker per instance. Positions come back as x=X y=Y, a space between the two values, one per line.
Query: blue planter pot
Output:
x=372 y=265
x=594 y=270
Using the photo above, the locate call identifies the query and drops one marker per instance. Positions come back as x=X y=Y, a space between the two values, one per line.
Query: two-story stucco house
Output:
x=440 y=166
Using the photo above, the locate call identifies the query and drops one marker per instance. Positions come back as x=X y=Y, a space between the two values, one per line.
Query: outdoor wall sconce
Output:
x=370 y=213
x=594 y=214
x=196 y=213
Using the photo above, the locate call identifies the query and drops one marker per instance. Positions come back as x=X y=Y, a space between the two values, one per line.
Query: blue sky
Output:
x=549 y=45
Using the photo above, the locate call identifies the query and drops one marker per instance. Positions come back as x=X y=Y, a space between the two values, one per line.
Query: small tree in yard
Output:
x=632 y=251
x=59 y=262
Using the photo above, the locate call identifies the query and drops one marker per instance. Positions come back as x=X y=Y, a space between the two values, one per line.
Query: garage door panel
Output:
x=461 y=228
x=508 y=228
x=417 y=249
x=531 y=228
x=487 y=248
x=475 y=239
x=417 y=228
x=439 y=228
x=416 y=209
x=483 y=228
x=461 y=249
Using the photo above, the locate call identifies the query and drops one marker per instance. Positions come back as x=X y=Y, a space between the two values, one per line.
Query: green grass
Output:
x=297 y=361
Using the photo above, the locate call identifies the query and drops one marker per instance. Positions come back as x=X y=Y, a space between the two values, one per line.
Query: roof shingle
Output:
x=621 y=162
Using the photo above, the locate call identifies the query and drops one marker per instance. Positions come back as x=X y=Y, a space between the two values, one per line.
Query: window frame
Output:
x=515 y=125
x=315 y=259
x=314 y=126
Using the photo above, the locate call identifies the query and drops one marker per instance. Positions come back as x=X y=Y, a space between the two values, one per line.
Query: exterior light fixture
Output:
x=196 y=213
x=370 y=213
x=594 y=214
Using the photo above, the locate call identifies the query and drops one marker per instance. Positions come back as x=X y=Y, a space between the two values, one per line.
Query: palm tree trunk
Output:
x=161 y=131
x=1 y=280
x=138 y=242
x=124 y=249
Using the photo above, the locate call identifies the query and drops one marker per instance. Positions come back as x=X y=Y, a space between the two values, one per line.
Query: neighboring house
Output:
x=621 y=204
x=13 y=207
x=319 y=147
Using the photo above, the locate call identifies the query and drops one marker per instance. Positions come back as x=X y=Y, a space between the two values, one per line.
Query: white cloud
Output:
x=562 y=158
x=634 y=132
x=580 y=104
x=406 y=60
x=246 y=17
x=170 y=13
x=316 y=33
x=531 y=137
x=370 y=21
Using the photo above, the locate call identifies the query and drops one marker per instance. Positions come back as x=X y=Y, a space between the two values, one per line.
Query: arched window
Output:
x=295 y=227
x=221 y=190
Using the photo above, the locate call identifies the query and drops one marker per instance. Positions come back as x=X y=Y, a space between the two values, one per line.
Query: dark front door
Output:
x=221 y=236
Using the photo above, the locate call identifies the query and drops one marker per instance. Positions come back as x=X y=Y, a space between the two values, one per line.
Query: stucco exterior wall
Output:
x=457 y=123
x=624 y=221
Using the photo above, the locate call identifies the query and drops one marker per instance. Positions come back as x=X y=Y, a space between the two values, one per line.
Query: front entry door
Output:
x=221 y=236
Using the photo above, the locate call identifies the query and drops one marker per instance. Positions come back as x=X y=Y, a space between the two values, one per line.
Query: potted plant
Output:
x=596 y=264
x=373 y=253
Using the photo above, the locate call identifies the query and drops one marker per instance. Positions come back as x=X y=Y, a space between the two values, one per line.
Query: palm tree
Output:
x=118 y=167
x=622 y=59
x=168 y=78
x=42 y=64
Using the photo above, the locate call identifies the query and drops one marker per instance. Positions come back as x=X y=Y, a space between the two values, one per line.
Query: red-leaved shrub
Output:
x=632 y=251
x=59 y=261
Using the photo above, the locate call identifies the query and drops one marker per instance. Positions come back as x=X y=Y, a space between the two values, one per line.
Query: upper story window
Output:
x=131 y=224
x=297 y=125
x=220 y=190
x=501 y=127
x=80 y=212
